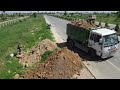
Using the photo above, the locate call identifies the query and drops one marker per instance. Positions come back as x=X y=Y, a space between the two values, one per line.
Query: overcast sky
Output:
x=57 y=11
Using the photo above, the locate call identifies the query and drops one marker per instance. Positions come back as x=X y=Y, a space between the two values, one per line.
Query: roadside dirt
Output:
x=34 y=55
x=62 y=64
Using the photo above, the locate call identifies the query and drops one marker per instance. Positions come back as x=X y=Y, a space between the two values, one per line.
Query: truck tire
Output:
x=70 y=43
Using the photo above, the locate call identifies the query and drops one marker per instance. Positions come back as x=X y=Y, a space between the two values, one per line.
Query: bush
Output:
x=117 y=28
x=20 y=20
x=34 y=15
x=3 y=18
x=45 y=55
x=118 y=14
x=108 y=15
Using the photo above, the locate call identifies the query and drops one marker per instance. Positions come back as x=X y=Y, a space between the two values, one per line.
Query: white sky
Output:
x=58 y=11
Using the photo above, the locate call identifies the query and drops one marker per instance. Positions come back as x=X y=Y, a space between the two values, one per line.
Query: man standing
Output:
x=106 y=25
x=117 y=28
x=19 y=48
x=100 y=24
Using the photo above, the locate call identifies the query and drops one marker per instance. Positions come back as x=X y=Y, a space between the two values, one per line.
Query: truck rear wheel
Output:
x=70 y=43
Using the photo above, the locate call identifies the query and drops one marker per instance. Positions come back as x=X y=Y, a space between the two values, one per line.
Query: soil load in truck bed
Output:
x=84 y=24
x=61 y=64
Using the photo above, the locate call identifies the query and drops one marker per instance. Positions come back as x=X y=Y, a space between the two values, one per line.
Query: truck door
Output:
x=97 y=46
x=91 y=40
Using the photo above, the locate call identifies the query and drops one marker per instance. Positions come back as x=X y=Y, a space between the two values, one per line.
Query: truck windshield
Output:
x=110 y=40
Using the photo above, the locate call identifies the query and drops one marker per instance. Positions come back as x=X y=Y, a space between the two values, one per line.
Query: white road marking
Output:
x=113 y=65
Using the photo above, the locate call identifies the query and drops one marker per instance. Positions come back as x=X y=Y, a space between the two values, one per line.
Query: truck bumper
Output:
x=108 y=54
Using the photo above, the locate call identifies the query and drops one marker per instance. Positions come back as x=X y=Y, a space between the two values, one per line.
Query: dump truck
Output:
x=94 y=40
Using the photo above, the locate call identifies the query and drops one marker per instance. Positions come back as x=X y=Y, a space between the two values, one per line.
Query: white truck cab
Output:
x=104 y=42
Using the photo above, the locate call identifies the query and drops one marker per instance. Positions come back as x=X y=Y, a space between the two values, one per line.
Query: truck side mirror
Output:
x=100 y=41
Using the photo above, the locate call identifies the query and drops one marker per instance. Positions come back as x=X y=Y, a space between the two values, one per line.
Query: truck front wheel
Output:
x=70 y=43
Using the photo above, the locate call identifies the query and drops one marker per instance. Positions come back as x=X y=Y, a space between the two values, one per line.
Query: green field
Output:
x=110 y=18
x=7 y=17
x=29 y=33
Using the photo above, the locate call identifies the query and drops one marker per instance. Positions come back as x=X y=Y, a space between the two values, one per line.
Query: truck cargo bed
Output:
x=78 y=33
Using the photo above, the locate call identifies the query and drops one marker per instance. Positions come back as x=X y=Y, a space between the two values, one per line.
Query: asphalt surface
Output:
x=107 y=69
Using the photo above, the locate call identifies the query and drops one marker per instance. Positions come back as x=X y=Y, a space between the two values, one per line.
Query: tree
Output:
x=95 y=13
x=108 y=15
x=118 y=14
x=34 y=15
x=3 y=12
x=19 y=14
x=117 y=28
x=3 y=16
x=72 y=14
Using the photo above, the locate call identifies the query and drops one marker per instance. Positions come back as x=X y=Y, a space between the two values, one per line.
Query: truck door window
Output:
x=96 y=38
x=92 y=36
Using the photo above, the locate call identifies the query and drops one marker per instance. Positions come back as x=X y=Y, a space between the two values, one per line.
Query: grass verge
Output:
x=45 y=55
x=29 y=33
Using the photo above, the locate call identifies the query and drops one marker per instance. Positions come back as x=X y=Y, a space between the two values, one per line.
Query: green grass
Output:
x=45 y=55
x=112 y=18
x=20 y=32
x=8 y=18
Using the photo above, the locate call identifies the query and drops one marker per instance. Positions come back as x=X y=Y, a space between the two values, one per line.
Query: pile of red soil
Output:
x=61 y=64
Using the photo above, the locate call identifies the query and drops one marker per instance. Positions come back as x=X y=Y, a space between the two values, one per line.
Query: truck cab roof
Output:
x=103 y=31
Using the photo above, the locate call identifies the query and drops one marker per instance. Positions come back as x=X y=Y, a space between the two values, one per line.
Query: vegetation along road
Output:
x=29 y=33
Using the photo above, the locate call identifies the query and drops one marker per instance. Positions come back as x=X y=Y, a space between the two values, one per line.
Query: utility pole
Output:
x=65 y=13
x=3 y=13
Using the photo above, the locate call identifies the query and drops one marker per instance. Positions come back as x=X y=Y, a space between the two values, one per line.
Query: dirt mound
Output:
x=84 y=24
x=34 y=55
x=62 y=64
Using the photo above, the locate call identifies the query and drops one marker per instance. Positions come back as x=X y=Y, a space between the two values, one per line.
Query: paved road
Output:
x=59 y=25
x=108 y=69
